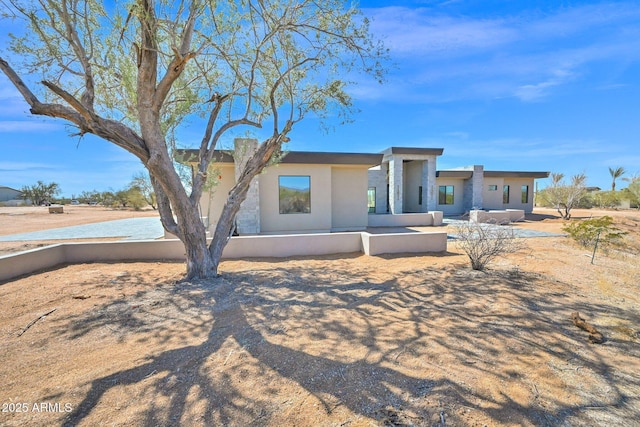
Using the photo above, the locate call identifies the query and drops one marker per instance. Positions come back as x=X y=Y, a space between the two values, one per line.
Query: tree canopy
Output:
x=41 y=192
x=135 y=73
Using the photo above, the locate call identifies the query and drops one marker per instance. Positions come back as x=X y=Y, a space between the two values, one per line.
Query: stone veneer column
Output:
x=478 y=184
x=248 y=217
x=473 y=189
x=395 y=185
x=428 y=182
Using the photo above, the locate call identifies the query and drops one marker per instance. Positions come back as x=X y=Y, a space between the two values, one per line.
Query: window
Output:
x=525 y=194
x=295 y=194
x=445 y=195
x=371 y=199
x=420 y=195
x=493 y=188
x=505 y=194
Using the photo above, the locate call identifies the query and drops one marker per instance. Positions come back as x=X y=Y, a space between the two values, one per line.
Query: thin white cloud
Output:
x=23 y=166
x=415 y=32
x=9 y=126
x=526 y=56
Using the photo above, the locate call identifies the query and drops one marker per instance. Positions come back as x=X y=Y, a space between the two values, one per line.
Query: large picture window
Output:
x=505 y=194
x=525 y=194
x=295 y=194
x=445 y=195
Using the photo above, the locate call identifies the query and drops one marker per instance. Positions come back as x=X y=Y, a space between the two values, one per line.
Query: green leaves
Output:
x=587 y=231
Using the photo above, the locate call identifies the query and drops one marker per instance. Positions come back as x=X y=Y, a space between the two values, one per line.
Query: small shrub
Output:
x=484 y=242
x=587 y=231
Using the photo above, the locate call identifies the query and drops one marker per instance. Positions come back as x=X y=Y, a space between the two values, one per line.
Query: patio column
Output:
x=477 y=201
x=395 y=185
x=428 y=182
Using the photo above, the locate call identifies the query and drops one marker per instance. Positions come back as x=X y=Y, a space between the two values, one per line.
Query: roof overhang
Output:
x=293 y=157
x=415 y=151
x=460 y=174
x=511 y=174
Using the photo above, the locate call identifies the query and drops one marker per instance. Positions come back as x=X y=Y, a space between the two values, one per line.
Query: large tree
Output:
x=41 y=192
x=132 y=73
x=564 y=197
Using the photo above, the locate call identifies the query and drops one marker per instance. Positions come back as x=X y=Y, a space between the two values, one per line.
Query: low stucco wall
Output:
x=516 y=214
x=393 y=243
x=497 y=216
x=292 y=244
x=238 y=247
x=406 y=220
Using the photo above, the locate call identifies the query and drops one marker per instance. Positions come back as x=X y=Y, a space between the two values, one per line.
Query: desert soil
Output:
x=330 y=341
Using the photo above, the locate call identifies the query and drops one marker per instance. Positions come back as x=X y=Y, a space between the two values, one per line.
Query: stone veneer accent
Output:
x=396 y=185
x=473 y=189
x=248 y=217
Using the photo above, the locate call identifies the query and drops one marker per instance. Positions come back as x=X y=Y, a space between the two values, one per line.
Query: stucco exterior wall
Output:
x=492 y=199
x=318 y=220
x=515 y=185
x=457 y=207
x=412 y=183
x=212 y=201
x=349 y=198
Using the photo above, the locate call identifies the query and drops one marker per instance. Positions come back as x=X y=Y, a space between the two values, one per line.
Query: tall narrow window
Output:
x=420 y=195
x=295 y=194
x=505 y=194
x=371 y=199
x=445 y=195
x=525 y=194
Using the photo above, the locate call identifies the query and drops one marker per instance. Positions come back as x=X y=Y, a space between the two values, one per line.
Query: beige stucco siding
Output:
x=458 y=196
x=515 y=194
x=319 y=219
x=349 y=198
x=212 y=201
x=492 y=199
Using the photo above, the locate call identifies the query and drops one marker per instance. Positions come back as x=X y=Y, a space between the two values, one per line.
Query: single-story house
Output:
x=311 y=192
x=8 y=193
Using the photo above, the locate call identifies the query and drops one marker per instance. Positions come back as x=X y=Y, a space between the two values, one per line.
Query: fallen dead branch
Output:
x=595 y=337
x=33 y=322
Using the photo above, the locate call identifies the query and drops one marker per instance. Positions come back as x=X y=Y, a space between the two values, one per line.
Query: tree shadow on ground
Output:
x=376 y=346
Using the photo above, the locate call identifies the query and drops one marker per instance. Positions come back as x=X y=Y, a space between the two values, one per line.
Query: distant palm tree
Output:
x=615 y=174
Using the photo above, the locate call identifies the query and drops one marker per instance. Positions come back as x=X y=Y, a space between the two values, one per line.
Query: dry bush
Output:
x=484 y=242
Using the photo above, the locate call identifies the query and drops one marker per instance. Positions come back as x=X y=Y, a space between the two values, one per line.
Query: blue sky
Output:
x=536 y=86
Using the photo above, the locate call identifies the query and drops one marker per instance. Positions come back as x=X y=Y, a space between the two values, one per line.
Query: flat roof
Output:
x=514 y=174
x=466 y=174
x=294 y=157
x=413 y=150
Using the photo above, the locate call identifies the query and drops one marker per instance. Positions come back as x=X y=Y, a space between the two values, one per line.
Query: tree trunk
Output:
x=199 y=262
x=238 y=193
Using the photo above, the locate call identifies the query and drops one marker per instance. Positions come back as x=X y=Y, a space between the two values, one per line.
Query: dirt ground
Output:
x=24 y=219
x=331 y=341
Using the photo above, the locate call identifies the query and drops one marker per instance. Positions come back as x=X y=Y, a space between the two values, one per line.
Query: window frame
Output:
x=371 y=202
x=280 y=200
x=524 y=194
x=445 y=200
